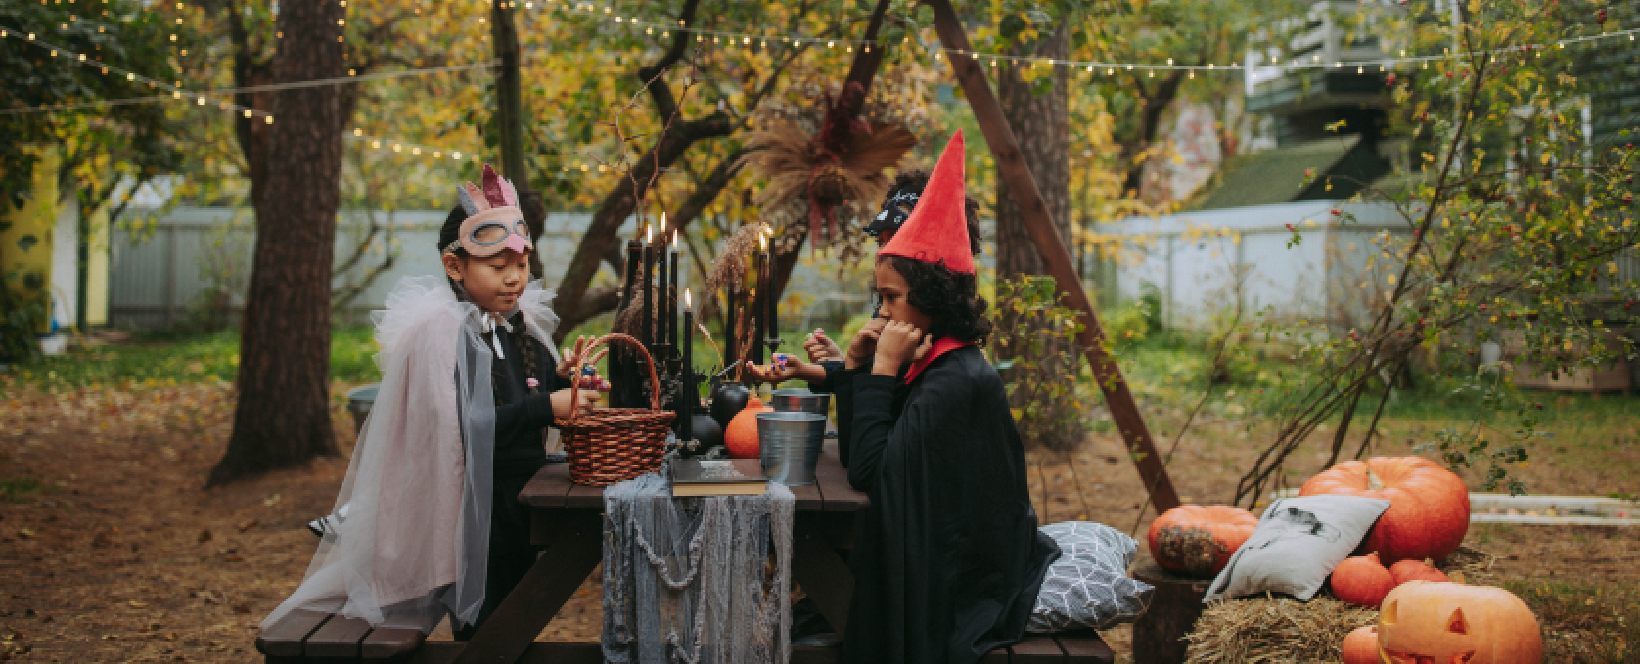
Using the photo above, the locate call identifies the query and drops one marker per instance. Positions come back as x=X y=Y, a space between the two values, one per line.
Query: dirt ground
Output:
x=111 y=550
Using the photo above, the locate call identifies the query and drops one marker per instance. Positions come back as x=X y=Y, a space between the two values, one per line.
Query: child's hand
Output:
x=821 y=348
x=572 y=357
x=562 y=407
x=899 y=343
x=864 y=343
x=781 y=371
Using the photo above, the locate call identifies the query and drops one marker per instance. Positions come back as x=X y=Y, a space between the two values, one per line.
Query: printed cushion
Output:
x=1088 y=586
x=1296 y=545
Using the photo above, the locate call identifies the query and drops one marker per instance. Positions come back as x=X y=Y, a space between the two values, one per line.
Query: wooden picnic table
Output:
x=567 y=524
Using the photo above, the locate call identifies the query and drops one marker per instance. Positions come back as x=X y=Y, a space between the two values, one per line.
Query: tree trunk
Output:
x=282 y=417
x=1042 y=123
x=1154 y=102
x=509 y=115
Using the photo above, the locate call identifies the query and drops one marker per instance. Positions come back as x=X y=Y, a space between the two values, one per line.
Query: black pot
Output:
x=727 y=401
x=706 y=430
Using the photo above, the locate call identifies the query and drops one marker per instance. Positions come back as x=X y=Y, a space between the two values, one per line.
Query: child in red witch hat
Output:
x=948 y=560
x=825 y=357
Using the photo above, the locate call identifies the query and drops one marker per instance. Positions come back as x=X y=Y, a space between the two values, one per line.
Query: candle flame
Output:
x=688 y=300
x=648 y=234
x=663 y=222
x=762 y=242
x=674 y=239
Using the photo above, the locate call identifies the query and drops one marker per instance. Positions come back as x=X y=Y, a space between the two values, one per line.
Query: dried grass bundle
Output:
x=1242 y=631
x=730 y=268
x=798 y=167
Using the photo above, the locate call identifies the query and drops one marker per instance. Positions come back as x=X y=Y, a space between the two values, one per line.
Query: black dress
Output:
x=948 y=560
x=521 y=420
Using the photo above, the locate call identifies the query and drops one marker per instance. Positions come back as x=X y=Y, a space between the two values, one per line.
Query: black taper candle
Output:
x=757 y=310
x=773 y=301
x=661 y=307
x=672 y=298
x=687 y=400
x=730 y=348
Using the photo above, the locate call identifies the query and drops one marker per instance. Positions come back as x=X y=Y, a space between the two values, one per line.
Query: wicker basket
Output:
x=609 y=445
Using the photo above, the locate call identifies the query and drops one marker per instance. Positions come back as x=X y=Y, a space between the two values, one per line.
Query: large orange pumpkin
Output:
x=1361 y=646
x=1415 y=570
x=1428 y=505
x=1362 y=580
x=740 y=437
x=1197 y=540
x=1427 y=621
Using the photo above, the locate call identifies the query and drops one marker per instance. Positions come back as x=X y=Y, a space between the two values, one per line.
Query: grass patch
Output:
x=1586 y=621
x=18 y=490
x=173 y=359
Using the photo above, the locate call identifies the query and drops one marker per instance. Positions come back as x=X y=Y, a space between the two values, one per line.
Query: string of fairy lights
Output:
x=174 y=91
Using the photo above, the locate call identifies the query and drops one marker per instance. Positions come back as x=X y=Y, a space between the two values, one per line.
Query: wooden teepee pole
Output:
x=1039 y=224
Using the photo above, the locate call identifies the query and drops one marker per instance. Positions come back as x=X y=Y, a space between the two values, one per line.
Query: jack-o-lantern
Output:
x=1426 y=622
x=1428 y=505
x=1361 y=646
x=1197 y=540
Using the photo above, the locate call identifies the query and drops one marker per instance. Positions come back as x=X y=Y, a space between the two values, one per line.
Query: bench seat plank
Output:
x=284 y=638
x=338 y=637
x=1037 y=648
x=1085 y=647
x=390 y=642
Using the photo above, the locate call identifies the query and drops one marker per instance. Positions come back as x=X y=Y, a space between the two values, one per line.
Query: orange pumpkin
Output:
x=1428 y=504
x=1426 y=621
x=1362 y=580
x=1361 y=646
x=740 y=437
x=1410 y=570
x=1197 y=540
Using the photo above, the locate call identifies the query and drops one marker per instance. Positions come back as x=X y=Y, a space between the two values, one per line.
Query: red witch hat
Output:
x=937 y=231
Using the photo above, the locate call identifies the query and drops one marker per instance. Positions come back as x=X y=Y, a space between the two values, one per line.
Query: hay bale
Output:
x=1267 y=629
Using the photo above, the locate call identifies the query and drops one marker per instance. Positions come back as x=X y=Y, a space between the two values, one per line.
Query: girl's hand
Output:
x=562 y=407
x=898 y=344
x=864 y=344
x=821 y=348
x=572 y=356
x=779 y=372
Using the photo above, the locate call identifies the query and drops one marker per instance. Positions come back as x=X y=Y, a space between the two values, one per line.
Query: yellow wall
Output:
x=96 y=271
x=25 y=243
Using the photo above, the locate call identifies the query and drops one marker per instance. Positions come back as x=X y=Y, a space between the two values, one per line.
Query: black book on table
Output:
x=717 y=477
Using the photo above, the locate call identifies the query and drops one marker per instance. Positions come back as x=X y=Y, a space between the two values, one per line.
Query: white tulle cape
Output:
x=415 y=538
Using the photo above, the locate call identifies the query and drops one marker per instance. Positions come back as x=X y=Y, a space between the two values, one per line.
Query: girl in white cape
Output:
x=427 y=522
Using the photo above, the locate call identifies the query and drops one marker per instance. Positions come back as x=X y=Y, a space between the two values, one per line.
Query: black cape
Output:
x=948 y=559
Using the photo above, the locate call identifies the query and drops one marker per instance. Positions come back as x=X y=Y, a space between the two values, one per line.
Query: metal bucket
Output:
x=789 y=444
x=359 y=401
x=793 y=400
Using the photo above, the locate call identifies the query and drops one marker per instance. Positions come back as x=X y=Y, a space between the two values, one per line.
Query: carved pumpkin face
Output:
x=1425 y=622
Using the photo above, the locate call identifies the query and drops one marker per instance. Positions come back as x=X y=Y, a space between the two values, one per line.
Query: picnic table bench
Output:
x=567 y=524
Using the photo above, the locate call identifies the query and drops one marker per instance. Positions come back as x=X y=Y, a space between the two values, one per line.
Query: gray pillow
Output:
x=1088 y=586
x=1296 y=545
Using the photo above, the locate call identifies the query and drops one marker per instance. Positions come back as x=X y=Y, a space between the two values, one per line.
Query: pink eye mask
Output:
x=495 y=221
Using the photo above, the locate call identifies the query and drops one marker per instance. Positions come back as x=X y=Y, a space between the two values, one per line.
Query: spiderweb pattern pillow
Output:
x=1088 y=586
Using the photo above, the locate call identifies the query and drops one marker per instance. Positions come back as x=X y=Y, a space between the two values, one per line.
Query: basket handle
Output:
x=626 y=339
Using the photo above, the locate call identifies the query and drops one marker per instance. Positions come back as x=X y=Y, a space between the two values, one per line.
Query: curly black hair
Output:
x=916 y=181
x=949 y=299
